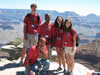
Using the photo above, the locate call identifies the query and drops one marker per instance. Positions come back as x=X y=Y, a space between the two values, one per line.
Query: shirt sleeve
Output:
x=25 y=19
x=29 y=54
x=74 y=33
x=40 y=20
x=39 y=29
x=50 y=33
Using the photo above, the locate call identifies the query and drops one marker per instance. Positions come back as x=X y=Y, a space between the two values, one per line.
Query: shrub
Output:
x=17 y=42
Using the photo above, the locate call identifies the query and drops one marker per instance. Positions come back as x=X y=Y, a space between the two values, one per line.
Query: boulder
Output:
x=14 y=52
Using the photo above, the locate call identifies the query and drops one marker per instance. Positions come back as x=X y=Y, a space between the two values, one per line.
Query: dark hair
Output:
x=33 y=5
x=47 y=14
x=70 y=29
x=56 y=23
x=41 y=39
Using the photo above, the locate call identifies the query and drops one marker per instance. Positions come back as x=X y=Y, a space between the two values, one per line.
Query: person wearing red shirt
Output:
x=36 y=56
x=31 y=22
x=69 y=42
x=45 y=31
x=57 y=35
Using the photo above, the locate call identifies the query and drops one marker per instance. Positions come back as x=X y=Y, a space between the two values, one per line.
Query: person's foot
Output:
x=65 y=71
x=70 y=73
x=59 y=68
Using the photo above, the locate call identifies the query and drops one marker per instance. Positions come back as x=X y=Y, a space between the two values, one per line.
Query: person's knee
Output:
x=47 y=62
x=46 y=65
x=68 y=56
x=63 y=58
x=62 y=55
x=72 y=57
x=39 y=59
x=58 y=53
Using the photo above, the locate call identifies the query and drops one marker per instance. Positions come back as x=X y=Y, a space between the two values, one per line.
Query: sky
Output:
x=82 y=7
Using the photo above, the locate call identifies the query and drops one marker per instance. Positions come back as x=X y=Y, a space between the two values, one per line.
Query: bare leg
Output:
x=49 y=52
x=72 y=62
x=23 y=53
x=59 y=56
x=63 y=58
x=68 y=62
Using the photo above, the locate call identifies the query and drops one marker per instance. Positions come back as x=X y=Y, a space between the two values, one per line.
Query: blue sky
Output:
x=82 y=7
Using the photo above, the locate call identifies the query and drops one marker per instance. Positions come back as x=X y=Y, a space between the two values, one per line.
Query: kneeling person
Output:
x=36 y=55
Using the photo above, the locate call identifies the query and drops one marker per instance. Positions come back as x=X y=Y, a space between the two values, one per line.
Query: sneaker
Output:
x=65 y=71
x=70 y=73
x=59 y=68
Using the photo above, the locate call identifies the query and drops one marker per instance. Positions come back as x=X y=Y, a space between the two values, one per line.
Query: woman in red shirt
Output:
x=69 y=42
x=57 y=33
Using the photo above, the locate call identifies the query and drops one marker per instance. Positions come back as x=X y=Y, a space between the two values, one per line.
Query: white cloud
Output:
x=86 y=12
x=82 y=12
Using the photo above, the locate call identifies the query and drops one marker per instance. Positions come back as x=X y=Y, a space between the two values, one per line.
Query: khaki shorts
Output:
x=68 y=50
x=32 y=39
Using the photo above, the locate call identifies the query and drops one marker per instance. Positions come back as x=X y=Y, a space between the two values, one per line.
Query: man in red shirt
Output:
x=31 y=23
x=45 y=31
x=36 y=55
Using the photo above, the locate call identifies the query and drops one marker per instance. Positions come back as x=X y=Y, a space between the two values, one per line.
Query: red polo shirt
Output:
x=59 y=36
x=68 y=38
x=45 y=31
x=31 y=24
x=33 y=54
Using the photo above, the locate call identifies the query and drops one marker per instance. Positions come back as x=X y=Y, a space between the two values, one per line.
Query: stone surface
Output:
x=14 y=53
x=12 y=68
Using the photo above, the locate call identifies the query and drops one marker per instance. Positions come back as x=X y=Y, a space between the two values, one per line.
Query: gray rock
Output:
x=14 y=53
x=10 y=68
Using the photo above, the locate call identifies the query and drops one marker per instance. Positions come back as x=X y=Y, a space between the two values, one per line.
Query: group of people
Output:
x=39 y=38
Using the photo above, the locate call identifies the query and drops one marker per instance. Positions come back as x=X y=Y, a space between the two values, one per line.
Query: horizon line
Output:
x=53 y=10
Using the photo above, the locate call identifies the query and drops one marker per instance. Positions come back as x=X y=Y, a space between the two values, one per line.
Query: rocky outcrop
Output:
x=14 y=52
x=12 y=68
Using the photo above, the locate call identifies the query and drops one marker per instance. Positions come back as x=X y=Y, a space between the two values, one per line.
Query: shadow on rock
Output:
x=10 y=65
x=20 y=73
x=50 y=72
